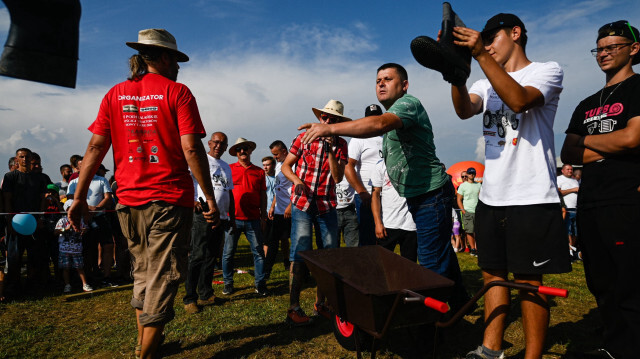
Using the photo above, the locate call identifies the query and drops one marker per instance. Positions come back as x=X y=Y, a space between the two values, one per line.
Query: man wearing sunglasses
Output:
x=250 y=206
x=319 y=166
x=603 y=135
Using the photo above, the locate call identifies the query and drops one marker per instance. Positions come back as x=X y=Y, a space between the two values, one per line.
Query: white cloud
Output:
x=264 y=88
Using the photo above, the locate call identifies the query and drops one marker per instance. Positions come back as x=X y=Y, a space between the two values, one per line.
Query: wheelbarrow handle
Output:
x=558 y=292
x=507 y=284
x=429 y=302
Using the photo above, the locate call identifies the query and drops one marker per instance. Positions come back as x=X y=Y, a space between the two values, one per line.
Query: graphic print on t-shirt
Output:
x=140 y=123
x=499 y=122
x=598 y=120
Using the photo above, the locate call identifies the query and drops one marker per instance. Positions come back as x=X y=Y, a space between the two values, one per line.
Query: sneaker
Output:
x=473 y=252
x=108 y=283
x=479 y=354
x=228 y=289
x=262 y=291
x=87 y=288
x=67 y=288
x=191 y=308
x=321 y=309
x=210 y=301
x=296 y=317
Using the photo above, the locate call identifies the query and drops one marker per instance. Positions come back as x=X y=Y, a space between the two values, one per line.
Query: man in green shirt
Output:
x=468 y=194
x=414 y=170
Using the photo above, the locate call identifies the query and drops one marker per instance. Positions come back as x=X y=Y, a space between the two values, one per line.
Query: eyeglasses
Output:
x=610 y=50
x=244 y=148
x=326 y=117
x=463 y=177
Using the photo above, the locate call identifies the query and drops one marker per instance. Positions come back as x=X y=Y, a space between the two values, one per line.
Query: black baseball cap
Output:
x=372 y=110
x=621 y=28
x=471 y=171
x=501 y=21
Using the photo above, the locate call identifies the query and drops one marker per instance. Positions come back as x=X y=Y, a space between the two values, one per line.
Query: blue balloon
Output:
x=24 y=224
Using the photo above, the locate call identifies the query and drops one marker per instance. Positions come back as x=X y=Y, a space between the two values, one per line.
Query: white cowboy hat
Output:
x=333 y=107
x=241 y=141
x=158 y=38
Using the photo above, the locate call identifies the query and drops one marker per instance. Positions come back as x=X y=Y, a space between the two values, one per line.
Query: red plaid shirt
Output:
x=313 y=169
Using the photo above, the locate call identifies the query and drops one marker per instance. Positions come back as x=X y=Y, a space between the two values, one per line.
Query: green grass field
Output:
x=248 y=326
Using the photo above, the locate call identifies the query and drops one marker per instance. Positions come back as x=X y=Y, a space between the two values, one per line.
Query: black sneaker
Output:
x=261 y=290
x=473 y=252
x=228 y=289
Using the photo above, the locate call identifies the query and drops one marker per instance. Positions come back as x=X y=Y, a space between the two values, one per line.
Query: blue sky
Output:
x=257 y=67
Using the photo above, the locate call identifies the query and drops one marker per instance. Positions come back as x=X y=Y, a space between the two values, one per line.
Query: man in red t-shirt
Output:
x=250 y=201
x=154 y=126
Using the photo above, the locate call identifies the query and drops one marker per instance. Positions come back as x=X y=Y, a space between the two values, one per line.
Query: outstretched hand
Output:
x=314 y=130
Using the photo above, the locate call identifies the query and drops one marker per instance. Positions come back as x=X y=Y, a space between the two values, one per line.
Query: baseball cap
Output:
x=372 y=110
x=619 y=28
x=102 y=167
x=471 y=170
x=67 y=204
x=503 y=20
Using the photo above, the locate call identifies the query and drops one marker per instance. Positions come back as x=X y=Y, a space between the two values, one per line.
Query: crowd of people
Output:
x=179 y=207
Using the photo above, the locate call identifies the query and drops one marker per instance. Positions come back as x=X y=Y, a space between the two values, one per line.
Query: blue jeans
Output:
x=367 y=227
x=432 y=214
x=302 y=228
x=253 y=233
x=570 y=222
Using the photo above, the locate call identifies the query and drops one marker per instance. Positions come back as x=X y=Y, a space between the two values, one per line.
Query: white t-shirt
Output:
x=520 y=165
x=565 y=183
x=344 y=194
x=97 y=188
x=367 y=152
x=395 y=212
x=283 y=190
x=222 y=183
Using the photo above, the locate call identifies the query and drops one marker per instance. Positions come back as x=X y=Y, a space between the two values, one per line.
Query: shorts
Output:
x=468 y=220
x=456 y=228
x=528 y=239
x=101 y=230
x=70 y=260
x=158 y=234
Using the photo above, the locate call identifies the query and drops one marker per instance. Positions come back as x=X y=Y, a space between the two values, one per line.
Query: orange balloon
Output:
x=457 y=168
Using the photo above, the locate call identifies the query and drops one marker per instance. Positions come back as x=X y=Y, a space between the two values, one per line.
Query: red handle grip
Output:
x=436 y=304
x=553 y=291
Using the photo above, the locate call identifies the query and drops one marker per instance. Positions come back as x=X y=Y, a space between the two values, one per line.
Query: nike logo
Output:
x=536 y=264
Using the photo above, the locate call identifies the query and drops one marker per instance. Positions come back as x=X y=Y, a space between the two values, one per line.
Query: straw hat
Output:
x=158 y=38
x=239 y=142
x=333 y=107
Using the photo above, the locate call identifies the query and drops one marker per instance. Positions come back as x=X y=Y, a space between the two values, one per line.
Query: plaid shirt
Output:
x=313 y=169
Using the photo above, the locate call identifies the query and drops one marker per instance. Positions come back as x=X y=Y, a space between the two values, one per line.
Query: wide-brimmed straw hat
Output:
x=333 y=107
x=241 y=142
x=159 y=38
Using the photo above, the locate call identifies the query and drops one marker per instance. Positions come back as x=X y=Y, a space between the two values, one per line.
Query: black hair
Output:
x=401 y=70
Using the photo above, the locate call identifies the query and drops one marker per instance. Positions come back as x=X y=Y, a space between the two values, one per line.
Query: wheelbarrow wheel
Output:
x=346 y=333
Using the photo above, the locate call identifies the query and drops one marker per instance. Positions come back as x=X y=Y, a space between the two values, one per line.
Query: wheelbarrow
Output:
x=371 y=290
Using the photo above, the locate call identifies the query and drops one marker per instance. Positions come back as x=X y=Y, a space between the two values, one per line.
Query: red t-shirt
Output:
x=248 y=183
x=145 y=120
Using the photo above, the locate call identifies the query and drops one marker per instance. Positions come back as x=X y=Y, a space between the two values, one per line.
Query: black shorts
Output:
x=522 y=239
x=408 y=241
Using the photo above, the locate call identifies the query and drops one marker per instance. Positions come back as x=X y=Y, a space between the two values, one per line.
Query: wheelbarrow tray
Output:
x=361 y=285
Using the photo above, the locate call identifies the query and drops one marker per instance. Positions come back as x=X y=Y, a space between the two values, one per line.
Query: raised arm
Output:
x=362 y=128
